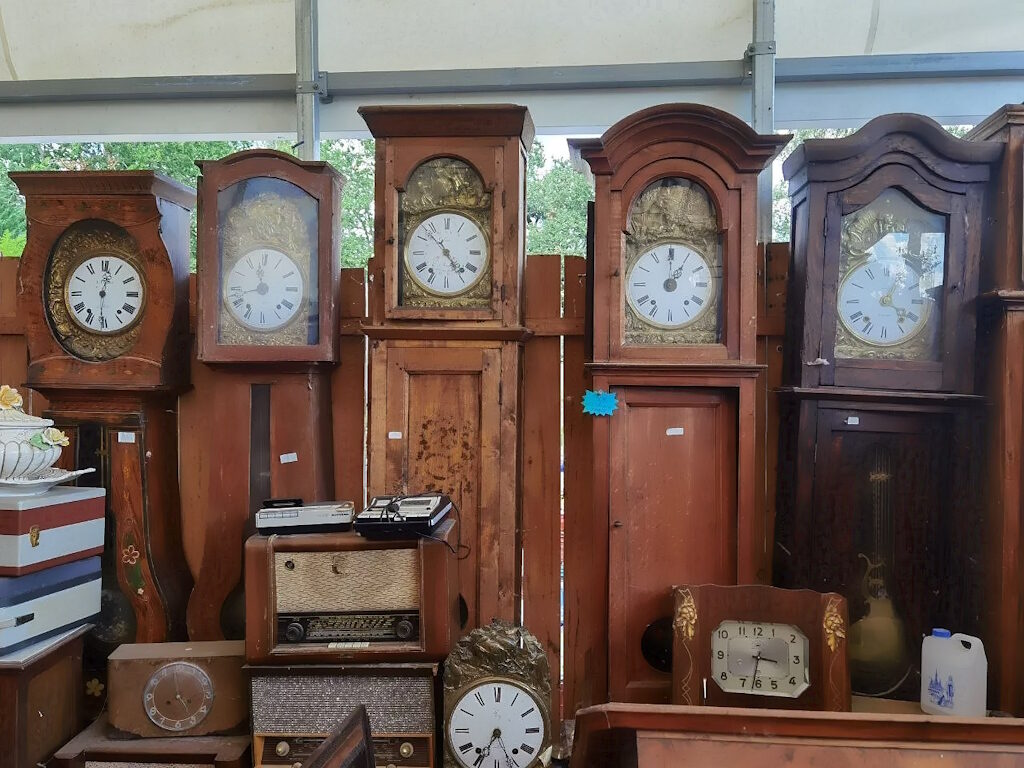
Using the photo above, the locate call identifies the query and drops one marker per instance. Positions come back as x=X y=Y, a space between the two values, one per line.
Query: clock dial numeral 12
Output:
x=105 y=294
x=264 y=290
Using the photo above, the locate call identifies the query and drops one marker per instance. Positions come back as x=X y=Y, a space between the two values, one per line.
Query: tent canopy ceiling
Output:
x=578 y=64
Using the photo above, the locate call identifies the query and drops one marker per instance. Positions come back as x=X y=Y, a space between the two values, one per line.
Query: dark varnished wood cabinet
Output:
x=881 y=489
x=673 y=330
x=1001 y=370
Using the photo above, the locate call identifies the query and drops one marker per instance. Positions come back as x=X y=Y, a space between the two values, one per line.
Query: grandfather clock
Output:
x=103 y=288
x=267 y=287
x=674 y=286
x=446 y=328
x=1001 y=339
x=880 y=485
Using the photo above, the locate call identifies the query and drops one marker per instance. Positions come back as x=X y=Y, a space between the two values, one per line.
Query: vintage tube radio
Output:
x=337 y=597
x=295 y=708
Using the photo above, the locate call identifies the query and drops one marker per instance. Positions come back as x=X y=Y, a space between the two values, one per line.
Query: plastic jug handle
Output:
x=974 y=644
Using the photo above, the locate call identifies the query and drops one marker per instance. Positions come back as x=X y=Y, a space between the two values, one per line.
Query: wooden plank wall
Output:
x=554 y=379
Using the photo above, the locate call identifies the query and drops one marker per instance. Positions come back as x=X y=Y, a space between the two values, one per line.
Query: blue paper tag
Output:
x=600 y=403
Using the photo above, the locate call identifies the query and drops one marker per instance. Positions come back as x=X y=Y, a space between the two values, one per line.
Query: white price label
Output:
x=126 y=437
x=852 y=421
x=394 y=435
x=289 y=458
x=673 y=431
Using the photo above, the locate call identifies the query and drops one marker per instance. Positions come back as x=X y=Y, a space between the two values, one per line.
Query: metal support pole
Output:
x=308 y=83
x=761 y=58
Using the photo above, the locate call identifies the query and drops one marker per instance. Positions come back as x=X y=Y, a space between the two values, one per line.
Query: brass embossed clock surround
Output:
x=78 y=244
x=268 y=260
x=438 y=190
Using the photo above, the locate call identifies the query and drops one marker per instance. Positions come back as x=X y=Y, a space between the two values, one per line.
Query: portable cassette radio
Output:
x=340 y=597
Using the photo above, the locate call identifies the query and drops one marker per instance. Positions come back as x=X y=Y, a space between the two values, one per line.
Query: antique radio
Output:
x=295 y=708
x=339 y=597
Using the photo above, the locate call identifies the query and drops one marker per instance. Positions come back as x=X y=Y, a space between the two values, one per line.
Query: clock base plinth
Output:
x=96 y=746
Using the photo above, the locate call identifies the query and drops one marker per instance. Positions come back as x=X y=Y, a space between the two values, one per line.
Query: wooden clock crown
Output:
x=146 y=210
x=722 y=156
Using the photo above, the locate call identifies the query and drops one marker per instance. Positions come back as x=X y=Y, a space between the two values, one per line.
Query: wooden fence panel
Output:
x=540 y=426
x=584 y=601
x=348 y=390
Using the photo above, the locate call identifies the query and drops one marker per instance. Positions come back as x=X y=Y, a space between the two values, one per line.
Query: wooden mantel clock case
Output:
x=103 y=288
x=882 y=420
x=674 y=315
x=445 y=325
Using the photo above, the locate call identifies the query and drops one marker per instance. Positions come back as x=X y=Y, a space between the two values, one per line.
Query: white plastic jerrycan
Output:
x=954 y=675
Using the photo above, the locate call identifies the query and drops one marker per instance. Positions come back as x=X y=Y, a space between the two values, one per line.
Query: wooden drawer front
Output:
x=328 y=582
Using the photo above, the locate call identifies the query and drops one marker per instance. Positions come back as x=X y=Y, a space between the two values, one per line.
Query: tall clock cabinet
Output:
x=103 y=288
x=1001 y=339
x=445 y=326
x=673 y=316
x=881 y=438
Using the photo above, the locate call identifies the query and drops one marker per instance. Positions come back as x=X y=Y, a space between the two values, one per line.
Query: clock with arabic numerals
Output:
x=267 y=262
x=759 y=646
x=497 y=692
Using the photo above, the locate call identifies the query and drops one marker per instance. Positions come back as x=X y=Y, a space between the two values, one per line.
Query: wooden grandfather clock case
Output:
x=445 y=325
x=673 y=314
x=115 y=394
x=1000 y=341
x=881 y=438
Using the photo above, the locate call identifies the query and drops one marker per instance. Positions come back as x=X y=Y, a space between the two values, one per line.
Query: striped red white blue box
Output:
x=56 y=527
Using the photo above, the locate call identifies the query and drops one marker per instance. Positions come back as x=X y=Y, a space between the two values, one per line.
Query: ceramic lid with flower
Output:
x=28 y=444
x=12 y=415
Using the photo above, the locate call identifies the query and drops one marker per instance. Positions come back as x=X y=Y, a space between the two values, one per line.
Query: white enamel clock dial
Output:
x=105 y=294
x=760 y=659
x=446 y=254
x=264 y=290
x=496 y=724
x=670 y=286
x=882 y=302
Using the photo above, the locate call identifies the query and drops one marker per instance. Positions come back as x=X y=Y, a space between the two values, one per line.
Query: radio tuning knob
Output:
x=406 y=749
x=282 y=748
x=403 y=630
x=294 y=632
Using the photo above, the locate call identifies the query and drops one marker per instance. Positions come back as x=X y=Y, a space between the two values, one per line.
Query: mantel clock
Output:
x=881 y=420
x=269 y=266
x=673 y=316
x=103 y=289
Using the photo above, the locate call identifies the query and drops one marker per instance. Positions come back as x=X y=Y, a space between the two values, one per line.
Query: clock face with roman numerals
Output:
x=670 y=286
x=105 y=294
x=264 y=290
x=883 y=303
x=446 y=254
x=497 y=723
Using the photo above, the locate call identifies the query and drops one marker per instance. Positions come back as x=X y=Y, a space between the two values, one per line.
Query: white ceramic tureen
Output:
x=28 y=444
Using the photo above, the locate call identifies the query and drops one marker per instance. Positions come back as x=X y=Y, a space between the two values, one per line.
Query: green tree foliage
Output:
x=556 y=194
x=556 y=206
